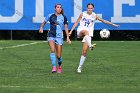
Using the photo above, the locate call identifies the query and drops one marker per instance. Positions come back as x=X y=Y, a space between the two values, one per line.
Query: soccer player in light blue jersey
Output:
x=55 y=35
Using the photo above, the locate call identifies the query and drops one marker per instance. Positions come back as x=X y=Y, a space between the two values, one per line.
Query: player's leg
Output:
x=83 y=56
x=85 y=34
x=52 y=53
x=59 y=43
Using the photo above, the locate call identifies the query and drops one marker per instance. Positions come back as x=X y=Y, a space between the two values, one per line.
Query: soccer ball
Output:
x=104 y=33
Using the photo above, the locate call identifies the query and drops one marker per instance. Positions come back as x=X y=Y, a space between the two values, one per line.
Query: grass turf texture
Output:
x=113 y=67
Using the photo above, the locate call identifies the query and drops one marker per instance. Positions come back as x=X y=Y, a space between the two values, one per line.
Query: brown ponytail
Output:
x=62 y=12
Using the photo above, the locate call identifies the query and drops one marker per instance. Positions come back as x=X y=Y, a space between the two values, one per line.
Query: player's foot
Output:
x=53 y=69
x=59 y=70
x=79 y=69
x=93 y=46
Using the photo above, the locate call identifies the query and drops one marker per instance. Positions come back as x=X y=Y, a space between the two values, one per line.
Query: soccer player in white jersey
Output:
x=85 y=30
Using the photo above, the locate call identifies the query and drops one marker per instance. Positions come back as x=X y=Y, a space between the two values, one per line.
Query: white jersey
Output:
x=87 y=23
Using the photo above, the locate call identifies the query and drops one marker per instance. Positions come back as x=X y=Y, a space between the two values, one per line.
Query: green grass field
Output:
x=113 y=67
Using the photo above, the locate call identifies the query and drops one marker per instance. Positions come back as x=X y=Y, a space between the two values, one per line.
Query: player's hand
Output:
x=115 y=25
x=68 y=41
x=41 y=30
x=70 y=33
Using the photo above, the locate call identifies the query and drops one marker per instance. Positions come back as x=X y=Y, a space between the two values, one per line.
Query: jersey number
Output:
x=87 y=24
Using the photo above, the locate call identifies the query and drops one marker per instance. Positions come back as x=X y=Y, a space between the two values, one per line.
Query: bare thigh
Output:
x=83 y=33
x=52 y=46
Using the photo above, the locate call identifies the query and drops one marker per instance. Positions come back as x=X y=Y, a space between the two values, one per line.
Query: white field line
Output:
x=53 y=87
x=46 y=87
x=10 y=86
x=21 y=45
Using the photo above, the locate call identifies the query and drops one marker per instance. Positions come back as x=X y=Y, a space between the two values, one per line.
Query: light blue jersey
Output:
x=56 y=25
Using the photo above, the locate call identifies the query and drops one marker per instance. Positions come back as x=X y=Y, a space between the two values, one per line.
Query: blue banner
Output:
x=29 y=14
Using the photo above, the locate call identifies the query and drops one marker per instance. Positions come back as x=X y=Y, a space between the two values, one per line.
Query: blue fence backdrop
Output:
x=28 y=14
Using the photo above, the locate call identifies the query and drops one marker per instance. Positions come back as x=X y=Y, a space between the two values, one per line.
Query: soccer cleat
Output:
x=59 y=70
x=92 y=46
x=79 y=70
x=53 y=69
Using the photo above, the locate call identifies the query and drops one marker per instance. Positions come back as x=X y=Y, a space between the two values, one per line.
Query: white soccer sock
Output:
x=82 y=60
x=88 y=40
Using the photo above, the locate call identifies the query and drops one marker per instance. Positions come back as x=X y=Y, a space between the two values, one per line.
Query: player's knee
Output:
x=86 y=32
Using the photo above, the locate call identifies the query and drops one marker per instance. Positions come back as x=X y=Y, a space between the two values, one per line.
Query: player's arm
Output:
x=106 y=22
x=67 y=33
x=41 y=27
x=75 y=24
